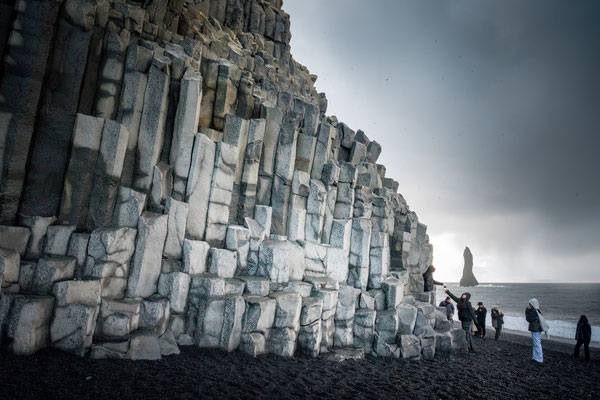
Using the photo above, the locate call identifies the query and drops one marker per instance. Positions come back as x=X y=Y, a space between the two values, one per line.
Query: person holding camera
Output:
x=465 y=315
x=497 y=321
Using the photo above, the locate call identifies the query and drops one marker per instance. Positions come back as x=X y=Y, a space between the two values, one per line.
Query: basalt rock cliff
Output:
x=169 y=176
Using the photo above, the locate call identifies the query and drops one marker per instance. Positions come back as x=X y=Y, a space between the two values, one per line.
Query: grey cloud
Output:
x=487 y=111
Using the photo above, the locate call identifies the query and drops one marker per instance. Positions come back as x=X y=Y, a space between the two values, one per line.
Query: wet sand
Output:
x=498 y=370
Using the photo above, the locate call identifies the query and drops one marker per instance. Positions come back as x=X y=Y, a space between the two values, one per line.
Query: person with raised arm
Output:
x=465 y=315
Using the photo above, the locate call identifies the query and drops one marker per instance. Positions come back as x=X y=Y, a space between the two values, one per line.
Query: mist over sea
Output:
x=561 y=303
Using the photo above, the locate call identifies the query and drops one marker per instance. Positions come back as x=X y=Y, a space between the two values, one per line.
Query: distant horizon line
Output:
x=543 y=282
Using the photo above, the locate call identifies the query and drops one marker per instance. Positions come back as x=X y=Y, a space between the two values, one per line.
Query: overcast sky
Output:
x=488 y=113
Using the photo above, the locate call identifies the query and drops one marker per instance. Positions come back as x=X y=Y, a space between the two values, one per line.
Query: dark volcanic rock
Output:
x=468 y=278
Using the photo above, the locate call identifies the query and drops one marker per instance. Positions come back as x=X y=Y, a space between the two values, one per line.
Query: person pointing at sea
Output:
x=465 y=315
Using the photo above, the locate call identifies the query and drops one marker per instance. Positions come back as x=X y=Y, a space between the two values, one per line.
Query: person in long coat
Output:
x=497 y=321
x=583 y=335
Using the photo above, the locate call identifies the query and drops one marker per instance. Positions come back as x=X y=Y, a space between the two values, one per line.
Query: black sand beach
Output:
x=498 y=370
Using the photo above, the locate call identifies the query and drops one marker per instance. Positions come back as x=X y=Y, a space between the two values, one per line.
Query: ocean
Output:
x=561 y=303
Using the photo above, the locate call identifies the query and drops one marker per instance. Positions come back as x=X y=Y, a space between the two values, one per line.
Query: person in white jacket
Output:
x=537 y=325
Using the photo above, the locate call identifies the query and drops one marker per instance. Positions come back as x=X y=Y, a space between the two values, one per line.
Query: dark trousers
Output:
x=467 y=328
x=481 y=330
x=586 y=349
x=498 y=332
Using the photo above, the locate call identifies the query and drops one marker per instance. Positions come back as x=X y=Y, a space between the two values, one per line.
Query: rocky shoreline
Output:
x=498 y=370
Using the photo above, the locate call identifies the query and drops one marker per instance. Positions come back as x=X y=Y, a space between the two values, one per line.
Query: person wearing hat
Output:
x=497 y=321
x=537 y=325
x=481 y=313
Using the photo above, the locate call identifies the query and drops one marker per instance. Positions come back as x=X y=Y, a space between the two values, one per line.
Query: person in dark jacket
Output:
x=583 y=335
x=428 y=281
x=481 y=314
x=497 y=321
x=447 y=304
x=465 y=315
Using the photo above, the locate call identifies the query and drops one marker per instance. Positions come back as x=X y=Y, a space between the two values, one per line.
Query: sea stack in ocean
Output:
x=468 y=278
x=169 y=177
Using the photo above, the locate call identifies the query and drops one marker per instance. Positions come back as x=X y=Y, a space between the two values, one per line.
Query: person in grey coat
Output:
x=497 y=321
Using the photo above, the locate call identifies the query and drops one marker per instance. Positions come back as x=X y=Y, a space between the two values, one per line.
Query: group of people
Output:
x=480 y=314
x=470 y=316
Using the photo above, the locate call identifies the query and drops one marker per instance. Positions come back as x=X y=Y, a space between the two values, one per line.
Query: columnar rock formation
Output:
x=468 y=277
x=169 y=177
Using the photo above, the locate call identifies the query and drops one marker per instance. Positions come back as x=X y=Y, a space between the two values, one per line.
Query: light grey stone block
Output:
x=9 y=267
x=281 y=261
x=184 y=130
x=85 y=146
x=336 y=264
x=72 y=328
x=304 y=289
x=168 y=343
x=146 y=266
x=152 y=125
x=288 y=309
x=38 y=227
x=253 y=343
x=57 y=239
x=195 y=256
x=154 y=314
x=175 y=286
x=410 y=347
x=86 y=293
x=330 y=299
x=312 y=308
x=310 y=338
x=117 y=319
x=394 y=292
x=256 y=286
x=222 y=263
x=386 y=325
x=162 y=186
x=259 y=315
x=344 y=333
x=51 y=270
x=177 y=212
x=109 y=251
x=198 y=186
x=107 y=175
x=364 y=329
x=27 y=322
x=346 y=303
x=128 y=208
x=407 y=318
x=282 y=342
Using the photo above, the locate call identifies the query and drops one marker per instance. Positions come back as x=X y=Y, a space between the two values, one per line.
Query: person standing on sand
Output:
x=481 y=314
x=447 y=304
x=497 y=321
x=465 y=315
x=583 y=335
x=537 y=325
